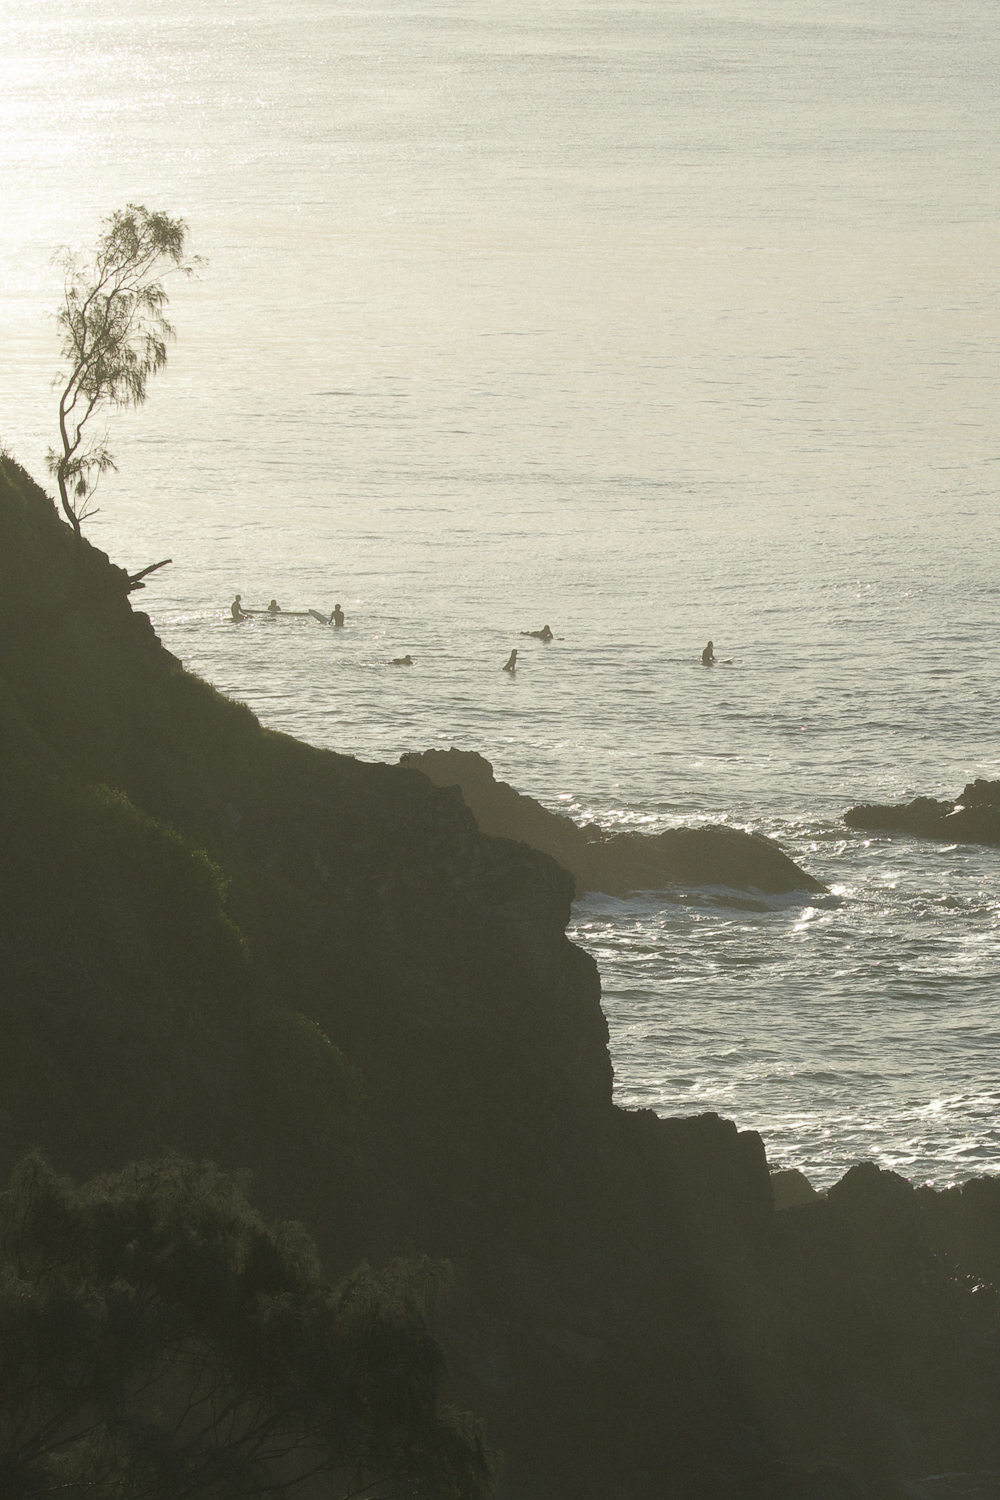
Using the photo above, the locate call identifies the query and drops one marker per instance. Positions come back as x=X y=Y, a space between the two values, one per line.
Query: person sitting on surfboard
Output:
x=236 y=608
x=274 y=608
x=510 y=665
x=708 y=656
x=337 y=618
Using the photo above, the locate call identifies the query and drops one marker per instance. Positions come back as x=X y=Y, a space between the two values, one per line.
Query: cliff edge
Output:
x=218 y=940
x=616 y=863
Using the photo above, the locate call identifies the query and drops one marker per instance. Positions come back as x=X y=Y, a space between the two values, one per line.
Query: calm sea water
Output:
x=653 y=321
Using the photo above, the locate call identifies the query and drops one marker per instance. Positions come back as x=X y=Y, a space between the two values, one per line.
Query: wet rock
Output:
x=973 y=818
x=616 y=863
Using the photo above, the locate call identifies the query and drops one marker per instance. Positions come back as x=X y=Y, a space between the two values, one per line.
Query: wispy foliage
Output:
x=114 y=335
x=158 y=1340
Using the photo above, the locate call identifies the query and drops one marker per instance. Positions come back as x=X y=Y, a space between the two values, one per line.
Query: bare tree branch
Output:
x=133 y=582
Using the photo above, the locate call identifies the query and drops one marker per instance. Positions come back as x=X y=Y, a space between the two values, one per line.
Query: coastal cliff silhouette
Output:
x=220 y=941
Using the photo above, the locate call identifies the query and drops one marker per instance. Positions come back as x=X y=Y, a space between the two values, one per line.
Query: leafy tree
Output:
x=159 y=1342
x=114 y=337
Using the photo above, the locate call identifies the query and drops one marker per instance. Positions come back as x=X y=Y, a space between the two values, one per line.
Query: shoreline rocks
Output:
x=791 y=1188
x=973 y=818
x=615 y=863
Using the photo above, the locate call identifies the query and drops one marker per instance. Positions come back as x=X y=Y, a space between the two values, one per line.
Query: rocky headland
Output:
x=219 y=941
x=615 y=863
x=973 y=818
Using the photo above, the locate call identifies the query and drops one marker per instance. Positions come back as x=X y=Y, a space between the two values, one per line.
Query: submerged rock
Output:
x=615 y=863
x=974 y=818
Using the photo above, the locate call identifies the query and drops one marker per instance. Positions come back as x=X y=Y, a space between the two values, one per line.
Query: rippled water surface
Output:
x=655 y=321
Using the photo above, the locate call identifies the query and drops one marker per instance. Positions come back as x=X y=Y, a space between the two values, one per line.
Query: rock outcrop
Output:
x=964 y=1224
x=974 y=818
x=616 y=863
x=791 y=1188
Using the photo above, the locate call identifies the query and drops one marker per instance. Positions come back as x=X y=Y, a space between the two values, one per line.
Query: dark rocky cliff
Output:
x=218 y=940
x=616 y=863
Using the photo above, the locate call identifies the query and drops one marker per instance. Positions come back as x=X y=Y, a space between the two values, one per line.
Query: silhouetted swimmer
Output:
x=236 y=608
x=402 y=661
x=337 y=618
x=545 y=634
x=510 y=665
x=708 y=656
x=274 y=608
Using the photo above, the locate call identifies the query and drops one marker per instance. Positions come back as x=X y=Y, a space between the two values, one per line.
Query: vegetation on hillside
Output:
x=158 y=1341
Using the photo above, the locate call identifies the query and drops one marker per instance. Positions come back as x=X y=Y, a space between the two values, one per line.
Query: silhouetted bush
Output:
x=158 y=1340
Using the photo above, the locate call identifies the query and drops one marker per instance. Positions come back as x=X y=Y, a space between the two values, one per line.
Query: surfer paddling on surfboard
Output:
x=272 y=611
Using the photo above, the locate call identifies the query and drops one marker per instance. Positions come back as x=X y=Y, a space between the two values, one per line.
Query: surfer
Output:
x=337 y=618
x=545 y=634
x=237 y=610
x=274 y=608
x=402 y=661
x=510 y=665
x=708 y=656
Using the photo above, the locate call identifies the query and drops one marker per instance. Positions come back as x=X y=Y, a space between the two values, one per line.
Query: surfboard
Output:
x=323 y=619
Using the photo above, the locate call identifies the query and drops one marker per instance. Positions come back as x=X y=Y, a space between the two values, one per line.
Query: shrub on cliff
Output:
x=157 y=1339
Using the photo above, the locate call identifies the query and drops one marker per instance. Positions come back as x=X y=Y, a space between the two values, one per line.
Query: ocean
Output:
x=656 y=322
